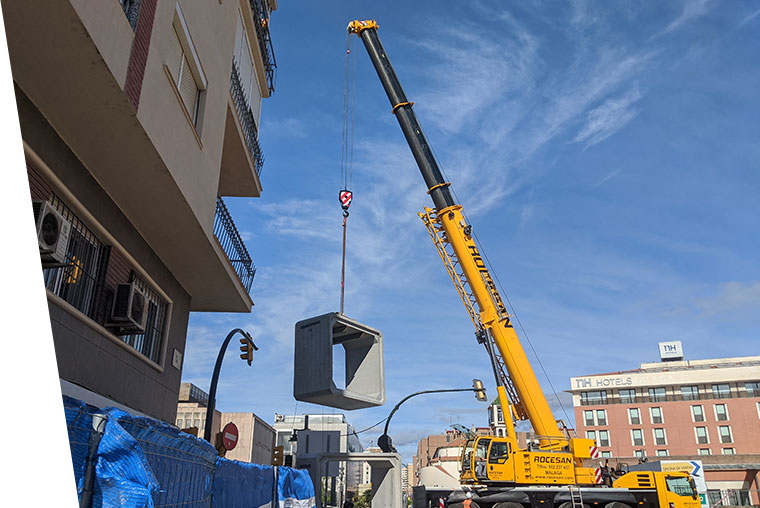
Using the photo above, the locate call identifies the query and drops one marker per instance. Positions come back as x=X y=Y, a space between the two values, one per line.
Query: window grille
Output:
x=149 y=343
x=79 y=281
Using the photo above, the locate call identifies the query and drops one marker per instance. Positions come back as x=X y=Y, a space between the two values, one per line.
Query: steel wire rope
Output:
x=503 y=291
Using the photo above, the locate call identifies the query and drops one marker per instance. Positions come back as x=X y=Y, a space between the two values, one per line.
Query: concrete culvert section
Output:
x=321 y=343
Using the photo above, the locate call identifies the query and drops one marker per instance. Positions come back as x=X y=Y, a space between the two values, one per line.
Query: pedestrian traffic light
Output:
x=479 y=389
x=247 y=347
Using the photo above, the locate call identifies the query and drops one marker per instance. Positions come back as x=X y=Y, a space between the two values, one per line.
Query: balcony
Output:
x=232 y=245
x=246 y=117
x=260 y=11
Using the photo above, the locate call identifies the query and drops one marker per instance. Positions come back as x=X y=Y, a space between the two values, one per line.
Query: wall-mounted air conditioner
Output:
x=130 y=309
x=52 y=232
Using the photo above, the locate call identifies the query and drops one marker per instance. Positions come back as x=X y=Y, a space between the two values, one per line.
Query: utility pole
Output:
x=247 y=347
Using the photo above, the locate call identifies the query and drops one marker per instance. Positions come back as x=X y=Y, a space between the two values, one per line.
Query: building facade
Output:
x=677 y=410
x=698 y=407
x=255 y=436
x=137 y=118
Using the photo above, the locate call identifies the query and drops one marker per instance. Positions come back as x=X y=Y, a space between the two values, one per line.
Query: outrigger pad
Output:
x=314 y=361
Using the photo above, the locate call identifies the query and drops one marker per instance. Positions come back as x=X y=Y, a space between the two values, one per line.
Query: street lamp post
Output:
x=386 y=443
x=247 y=347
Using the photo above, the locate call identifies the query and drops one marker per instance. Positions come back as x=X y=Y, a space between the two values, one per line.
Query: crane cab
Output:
x=488 y=459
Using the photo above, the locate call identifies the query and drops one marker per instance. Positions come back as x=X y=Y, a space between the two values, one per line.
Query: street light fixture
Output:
x=385 y=443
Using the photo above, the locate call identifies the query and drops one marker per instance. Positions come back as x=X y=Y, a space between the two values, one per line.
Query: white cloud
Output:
x=692 y=9
x=734 y=298
x=608 y=118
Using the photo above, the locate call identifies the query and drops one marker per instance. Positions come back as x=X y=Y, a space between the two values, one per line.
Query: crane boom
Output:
x=492 y=313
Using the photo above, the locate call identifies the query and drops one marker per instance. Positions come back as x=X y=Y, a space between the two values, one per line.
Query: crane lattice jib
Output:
x=468 y=299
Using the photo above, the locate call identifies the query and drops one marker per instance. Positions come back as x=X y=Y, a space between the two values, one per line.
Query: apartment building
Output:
x=138 y=117
x=672 y=407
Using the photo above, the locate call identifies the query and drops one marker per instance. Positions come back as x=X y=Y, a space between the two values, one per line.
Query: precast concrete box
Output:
x=325 y=343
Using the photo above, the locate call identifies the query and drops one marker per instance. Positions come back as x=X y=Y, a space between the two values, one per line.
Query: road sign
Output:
x=229 y=436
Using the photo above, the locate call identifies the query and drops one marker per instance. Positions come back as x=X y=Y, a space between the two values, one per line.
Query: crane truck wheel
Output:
x=616 y=504
x=569 y=504
x=507 y=504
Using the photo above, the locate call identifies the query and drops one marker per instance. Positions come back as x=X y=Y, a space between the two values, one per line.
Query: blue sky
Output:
x=607 y=157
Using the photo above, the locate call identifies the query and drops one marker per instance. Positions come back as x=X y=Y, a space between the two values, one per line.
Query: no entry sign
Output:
x=229 y=436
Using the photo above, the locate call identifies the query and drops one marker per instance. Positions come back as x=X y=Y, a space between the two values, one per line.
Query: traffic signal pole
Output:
x=246 y=346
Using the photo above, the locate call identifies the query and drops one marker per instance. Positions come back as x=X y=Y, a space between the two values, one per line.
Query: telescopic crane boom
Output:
x=528 y=399
x=496 y=464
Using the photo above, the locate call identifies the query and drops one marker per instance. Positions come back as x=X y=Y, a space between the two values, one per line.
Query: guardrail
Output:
x=232 y=244
x=247 y=122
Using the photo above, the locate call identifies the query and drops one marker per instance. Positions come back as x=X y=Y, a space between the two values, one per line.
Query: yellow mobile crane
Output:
x=502 y=474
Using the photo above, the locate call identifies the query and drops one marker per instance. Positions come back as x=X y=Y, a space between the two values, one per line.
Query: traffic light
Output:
x=479 y=389
x=247 y=347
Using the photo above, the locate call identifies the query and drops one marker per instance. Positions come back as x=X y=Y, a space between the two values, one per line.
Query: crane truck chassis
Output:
x=495 y=472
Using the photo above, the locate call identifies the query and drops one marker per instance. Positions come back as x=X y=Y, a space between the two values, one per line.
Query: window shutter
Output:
x=174 y=56
x=188 y=89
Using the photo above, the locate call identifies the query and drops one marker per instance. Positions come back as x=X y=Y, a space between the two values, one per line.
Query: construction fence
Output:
x=125 y=461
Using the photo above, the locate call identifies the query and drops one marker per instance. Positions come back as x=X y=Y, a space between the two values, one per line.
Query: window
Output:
x=725 y=434
x=721 y=391
x=184 y=68
x=499 y=451
x=656 y=414
x=657 y=394
x=637 y=437
x=634 y=416
x=659 y=436
x=606 y=454
x=588 y=417
x=729 y=451
x=690 y=392
x=593 y=398
x=604 y=438
x=601 y=417
x=697 y=413
x=627 y=395
x=591 y=434
x=150 y=342
x=78 y=283
x=752 y=388
x=662 y=453
x=704 y=451
x=681 y=486
x=721 y=412
x=639 y=453
x=701 y=433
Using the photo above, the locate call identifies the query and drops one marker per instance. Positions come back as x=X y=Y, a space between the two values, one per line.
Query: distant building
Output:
x=255 y=436
x=697 y=407
x=427 y=447
x=675 y=408
x=137 y=118
x=315 y=434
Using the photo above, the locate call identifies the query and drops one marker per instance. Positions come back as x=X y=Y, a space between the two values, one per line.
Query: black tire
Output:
x=569 y=504
x=507 y=504
x=616 y=504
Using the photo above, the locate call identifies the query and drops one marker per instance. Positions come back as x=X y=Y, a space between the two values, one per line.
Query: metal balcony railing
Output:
x=232 y=244
x=131 y=10
x=260 y=11
x=246 y=117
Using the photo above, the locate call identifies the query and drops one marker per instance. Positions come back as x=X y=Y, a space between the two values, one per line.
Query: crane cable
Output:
x=345 y=195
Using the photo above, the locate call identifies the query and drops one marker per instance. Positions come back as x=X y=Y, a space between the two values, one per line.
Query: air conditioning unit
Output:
x=52 y=232
x=130 y=309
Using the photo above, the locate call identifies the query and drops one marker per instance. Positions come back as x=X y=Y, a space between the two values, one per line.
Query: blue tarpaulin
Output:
x=294 y=489
x=242 y=485
x=146 y=463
